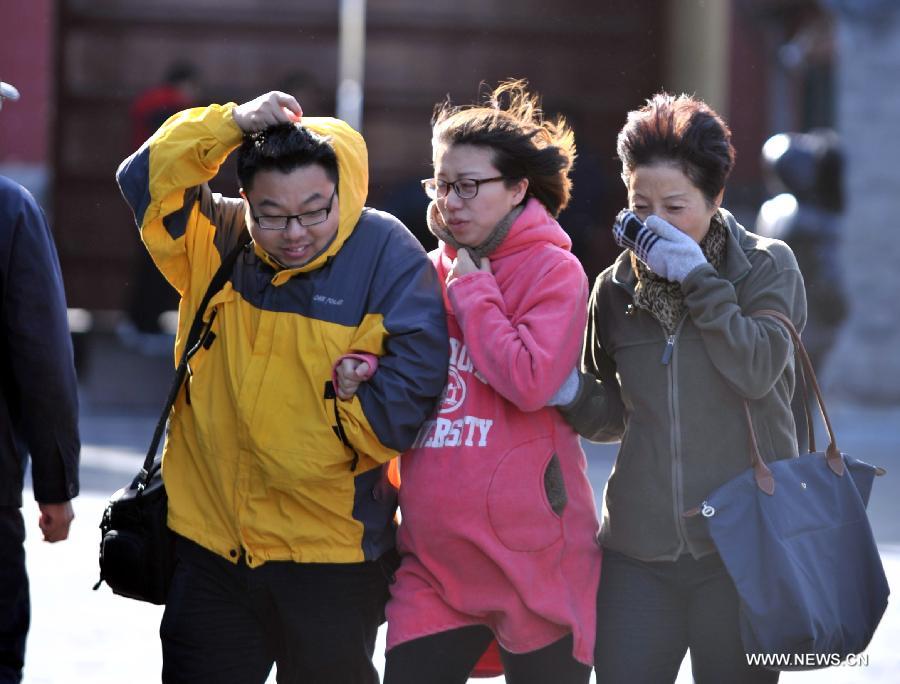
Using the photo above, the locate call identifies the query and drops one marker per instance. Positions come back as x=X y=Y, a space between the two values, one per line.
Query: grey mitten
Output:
x=675 y=254
x=668 y=252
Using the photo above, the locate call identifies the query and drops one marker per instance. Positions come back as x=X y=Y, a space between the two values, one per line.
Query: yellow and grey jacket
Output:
x=253 y=462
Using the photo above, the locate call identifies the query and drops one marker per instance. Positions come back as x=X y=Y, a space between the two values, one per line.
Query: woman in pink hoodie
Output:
x=498 y=531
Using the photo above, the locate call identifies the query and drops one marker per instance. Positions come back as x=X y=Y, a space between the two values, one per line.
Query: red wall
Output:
x=25 y=62
x=748 y=113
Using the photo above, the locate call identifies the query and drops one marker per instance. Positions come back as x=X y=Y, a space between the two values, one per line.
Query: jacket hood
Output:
x=534 y=225
x=353 y=187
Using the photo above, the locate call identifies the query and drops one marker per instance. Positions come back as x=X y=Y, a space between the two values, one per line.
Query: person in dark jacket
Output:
x=671 y=353
x=38 y=403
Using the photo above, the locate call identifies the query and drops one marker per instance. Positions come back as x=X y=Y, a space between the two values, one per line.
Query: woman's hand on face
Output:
x=464 y=265
x=675 y=254
x=667 y=251
x=349 y=373
x=267 y=110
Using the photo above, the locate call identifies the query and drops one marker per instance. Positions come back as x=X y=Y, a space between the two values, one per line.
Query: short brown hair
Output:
x=681 y=130
x=524 y=144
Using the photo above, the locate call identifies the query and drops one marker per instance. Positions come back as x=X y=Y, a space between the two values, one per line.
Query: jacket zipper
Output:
x=666 y=360
x=669 y=360
x=667 y=352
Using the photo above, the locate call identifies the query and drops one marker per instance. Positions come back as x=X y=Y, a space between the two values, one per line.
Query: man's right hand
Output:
x=55 y=520
x=267 y=110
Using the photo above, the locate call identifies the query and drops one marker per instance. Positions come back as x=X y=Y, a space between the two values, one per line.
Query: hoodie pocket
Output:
x=526 y=496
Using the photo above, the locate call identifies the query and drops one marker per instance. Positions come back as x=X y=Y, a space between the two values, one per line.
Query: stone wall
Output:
x=865 y=363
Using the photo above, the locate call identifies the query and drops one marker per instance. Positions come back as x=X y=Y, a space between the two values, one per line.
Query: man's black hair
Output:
x=284 y=148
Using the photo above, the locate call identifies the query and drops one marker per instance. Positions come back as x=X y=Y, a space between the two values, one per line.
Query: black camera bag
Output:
x=137 y=549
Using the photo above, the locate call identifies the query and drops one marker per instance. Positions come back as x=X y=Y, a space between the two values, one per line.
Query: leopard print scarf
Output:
x=663 y=298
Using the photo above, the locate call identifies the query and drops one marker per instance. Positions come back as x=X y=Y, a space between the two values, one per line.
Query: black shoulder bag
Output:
x=137 y=554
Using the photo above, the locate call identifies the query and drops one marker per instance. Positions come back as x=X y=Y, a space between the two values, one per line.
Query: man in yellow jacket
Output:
x=278 y=490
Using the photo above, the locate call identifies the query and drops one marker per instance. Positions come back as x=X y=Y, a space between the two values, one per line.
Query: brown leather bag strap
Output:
x=761 y=472
x=804 y=393
x=832 y=453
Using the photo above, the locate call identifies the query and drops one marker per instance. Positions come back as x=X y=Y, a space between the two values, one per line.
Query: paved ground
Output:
x=81 y=636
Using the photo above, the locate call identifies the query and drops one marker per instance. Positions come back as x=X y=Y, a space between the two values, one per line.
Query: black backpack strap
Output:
x=195 y=339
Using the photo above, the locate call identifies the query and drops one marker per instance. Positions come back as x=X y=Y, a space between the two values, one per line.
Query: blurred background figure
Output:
x=150 y=294
x=583 y=218
x=306 y=89
x=804 y=172
x=150 y=109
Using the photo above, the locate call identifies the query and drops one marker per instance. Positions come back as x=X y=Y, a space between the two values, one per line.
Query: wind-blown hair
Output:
x=524 y=144
x=679 y=130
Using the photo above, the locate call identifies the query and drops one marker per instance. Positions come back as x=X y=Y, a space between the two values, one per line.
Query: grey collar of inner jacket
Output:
x=439 y=229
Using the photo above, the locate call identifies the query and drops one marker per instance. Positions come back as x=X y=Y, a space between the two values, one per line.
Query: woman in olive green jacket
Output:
x=671 y=352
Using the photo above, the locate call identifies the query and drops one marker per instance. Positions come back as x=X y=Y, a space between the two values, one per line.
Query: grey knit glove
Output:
x=668 y=252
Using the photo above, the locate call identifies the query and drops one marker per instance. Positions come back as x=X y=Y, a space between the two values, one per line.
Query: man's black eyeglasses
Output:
x=308 y=219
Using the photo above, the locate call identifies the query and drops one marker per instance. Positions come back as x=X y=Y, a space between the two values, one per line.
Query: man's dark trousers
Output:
x=15 y=610
x=227 y=623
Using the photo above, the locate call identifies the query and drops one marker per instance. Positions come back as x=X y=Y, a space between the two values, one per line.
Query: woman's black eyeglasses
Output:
x=465 y=188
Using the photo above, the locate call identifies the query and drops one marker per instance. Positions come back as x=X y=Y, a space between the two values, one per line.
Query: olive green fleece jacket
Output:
x=676 y=401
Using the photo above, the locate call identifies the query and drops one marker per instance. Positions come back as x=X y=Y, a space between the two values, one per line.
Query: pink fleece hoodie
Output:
x=480 y=541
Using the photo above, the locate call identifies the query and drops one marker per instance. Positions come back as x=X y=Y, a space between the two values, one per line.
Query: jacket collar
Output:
x=533 y=225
